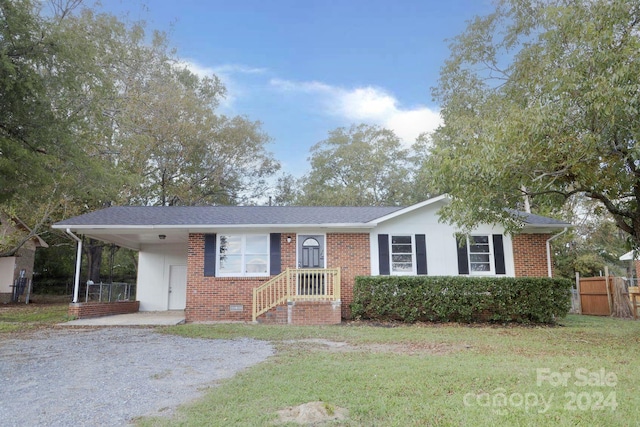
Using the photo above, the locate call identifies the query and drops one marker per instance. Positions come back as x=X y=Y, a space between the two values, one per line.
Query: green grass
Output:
x=21 y=317
x=422 y=375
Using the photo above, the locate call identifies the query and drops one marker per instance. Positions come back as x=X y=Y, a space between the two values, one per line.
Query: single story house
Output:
x=291 y=264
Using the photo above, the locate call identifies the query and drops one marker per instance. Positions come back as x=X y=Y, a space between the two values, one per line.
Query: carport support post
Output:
x=76 y=281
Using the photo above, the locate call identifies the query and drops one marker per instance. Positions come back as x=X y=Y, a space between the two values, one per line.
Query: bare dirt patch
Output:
x=312 y=413
x=414 y=348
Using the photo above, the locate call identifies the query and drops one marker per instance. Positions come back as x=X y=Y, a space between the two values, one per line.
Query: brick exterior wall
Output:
x=288 y=250
x=530 y=255
x=84 y=310
x=210 y=298
x=350 y=252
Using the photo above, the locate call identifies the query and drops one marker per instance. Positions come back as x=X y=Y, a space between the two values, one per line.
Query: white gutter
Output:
x=76 y=281
x=549 y=250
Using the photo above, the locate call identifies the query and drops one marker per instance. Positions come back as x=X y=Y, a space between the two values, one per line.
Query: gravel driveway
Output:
x=107 y=377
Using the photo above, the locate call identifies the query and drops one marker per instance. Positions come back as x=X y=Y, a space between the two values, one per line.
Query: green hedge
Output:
x=461 y=299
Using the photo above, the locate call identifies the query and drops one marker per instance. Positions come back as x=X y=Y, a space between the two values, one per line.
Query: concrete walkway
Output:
x=142 y=318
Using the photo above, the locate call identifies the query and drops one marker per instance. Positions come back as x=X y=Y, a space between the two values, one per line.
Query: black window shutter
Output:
x=421 y=254
x=383 y=254
x=463 y=256
x=275 y=262
x=209 y=255
x=498 y=254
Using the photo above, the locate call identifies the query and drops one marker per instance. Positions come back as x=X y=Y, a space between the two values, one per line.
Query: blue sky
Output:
x=306 y=67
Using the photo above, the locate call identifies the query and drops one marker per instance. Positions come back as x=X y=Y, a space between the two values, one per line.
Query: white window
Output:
x=402 y=261
x=243 y=255
x=480 y=255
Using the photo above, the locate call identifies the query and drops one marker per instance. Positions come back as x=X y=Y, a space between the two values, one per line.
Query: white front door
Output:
x=177 y=287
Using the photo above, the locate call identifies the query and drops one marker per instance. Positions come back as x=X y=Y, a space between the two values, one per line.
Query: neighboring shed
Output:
x=21 y=263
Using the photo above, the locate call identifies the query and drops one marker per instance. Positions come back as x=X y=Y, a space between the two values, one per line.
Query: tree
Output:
x=360 y=166
x=593 y=243
x=57 y=77
x=51 y=91
x=175 y=147
x=541 y=99
x=422 y=186
x=286 y=191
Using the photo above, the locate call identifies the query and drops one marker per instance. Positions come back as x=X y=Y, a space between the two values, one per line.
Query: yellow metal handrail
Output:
x=295 y=284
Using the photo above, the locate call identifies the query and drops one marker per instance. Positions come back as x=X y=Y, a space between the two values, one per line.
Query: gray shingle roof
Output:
x=227 y=215
x=531 y=219
x=193 y=216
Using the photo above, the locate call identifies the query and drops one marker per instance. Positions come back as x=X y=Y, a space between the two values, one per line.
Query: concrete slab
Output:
x=142 y=318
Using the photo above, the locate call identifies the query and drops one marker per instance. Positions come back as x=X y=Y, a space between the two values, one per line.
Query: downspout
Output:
x=76 y=282
x=549 y=250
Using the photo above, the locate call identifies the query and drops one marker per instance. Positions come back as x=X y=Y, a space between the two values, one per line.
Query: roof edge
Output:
x=58 y=226
x=408 y=209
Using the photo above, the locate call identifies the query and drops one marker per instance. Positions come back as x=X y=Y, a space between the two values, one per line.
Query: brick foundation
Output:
x=530 y=255
x=84 y=310
x=315 y=313
x=304 y=313
x=276 y=316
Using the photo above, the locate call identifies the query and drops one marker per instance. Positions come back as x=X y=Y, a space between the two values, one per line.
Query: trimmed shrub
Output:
x=461 y=299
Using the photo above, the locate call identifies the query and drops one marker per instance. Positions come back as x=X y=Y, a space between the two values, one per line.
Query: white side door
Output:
x=177 y=287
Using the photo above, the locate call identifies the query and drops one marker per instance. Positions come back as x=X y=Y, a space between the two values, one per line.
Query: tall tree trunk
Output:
x=621 y=304
x=94 y=259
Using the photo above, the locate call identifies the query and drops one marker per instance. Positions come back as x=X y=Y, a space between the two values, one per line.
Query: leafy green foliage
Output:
x=172 y=144
x=360 y=166
x=541 y=99
x=53 y=87
x=589 y=253
x=461 y=299
x=286 y=190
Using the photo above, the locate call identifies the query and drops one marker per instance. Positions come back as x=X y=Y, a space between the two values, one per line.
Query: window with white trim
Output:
x=480 y=254
x=243 y=255
x=402 y=253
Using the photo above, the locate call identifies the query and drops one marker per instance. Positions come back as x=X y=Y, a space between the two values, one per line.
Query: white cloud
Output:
x=196 y=68
x=237 y=69
x=227 y=73
x=369 y=105
x=304 y=87
x=409 y=124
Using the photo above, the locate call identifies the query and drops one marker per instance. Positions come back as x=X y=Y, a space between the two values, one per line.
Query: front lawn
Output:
x=22 y=317
x=584 y=372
